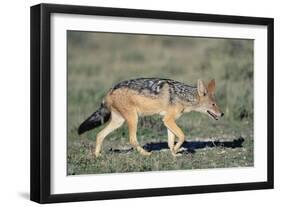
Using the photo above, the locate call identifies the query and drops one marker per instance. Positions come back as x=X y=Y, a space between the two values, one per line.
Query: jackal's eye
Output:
x=213 y=104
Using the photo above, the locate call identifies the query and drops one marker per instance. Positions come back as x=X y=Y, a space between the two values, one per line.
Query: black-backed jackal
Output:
x=130 y=99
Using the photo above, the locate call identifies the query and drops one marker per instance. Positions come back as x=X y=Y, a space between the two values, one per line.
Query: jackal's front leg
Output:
x=174 y=129
x=171 y=142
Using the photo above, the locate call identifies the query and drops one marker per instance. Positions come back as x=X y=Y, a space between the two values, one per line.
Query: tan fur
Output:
x=124 y=99
x=115 y=122
x=127 y=105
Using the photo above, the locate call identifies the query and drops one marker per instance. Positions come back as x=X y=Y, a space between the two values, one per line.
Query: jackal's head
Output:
x=207 y=103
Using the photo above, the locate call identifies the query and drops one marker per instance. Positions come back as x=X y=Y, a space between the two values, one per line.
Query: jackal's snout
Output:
x=214 y=111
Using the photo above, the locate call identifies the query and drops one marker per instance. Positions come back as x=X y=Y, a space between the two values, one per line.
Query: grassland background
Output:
x=97 y=61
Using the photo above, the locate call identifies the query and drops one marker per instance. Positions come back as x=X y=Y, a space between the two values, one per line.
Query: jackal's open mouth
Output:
x=212 y=115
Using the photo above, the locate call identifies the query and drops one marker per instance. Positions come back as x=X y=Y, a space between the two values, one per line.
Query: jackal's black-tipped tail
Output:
x=98 y=118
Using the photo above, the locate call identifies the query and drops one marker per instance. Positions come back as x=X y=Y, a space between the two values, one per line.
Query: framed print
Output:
x=133 y=103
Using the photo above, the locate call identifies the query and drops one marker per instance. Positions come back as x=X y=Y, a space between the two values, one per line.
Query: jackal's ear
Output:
x=201 y=88
x=212 y=86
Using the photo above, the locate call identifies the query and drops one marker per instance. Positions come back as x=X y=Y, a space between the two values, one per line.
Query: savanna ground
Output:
x=97 y=61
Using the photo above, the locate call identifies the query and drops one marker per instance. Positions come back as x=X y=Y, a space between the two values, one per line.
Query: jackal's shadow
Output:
x=188 y=146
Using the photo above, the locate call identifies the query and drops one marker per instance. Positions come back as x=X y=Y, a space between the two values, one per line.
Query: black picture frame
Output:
x=41 y=102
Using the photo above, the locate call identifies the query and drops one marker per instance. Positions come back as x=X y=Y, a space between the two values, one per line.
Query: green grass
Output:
x=97 y=61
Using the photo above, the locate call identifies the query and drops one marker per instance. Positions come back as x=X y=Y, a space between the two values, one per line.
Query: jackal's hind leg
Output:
x=132 y=120
x=115 y=122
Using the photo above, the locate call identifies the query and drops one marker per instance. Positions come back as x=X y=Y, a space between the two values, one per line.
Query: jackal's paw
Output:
x=175 y=154
x=146 y=153
x=94 y=153
x=97 y=154
x=143 y=151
